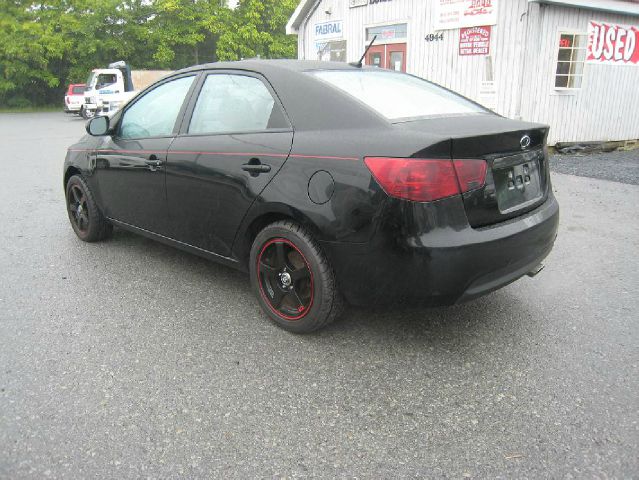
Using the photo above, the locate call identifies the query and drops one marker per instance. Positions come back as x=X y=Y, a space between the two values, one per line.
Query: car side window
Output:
x=154 y=114
x=234 y=104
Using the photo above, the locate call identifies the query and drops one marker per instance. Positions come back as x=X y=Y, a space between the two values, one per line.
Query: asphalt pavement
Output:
x=620 y=166
x=129 y=359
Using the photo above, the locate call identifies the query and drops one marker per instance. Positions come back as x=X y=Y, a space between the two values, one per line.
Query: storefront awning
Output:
x=625 y=7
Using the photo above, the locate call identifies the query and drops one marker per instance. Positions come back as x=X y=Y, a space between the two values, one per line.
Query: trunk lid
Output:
x=517 y=163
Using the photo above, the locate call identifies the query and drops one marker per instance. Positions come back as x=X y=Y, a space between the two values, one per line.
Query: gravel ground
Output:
x=622 y=166
x=130 y=359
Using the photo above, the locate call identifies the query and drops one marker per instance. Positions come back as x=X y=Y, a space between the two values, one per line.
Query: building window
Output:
x=387 y=33
x=570 y=61
x=332 y=51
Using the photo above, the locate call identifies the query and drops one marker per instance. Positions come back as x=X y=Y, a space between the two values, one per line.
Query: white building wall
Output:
x=607 y=105
x=522 y=62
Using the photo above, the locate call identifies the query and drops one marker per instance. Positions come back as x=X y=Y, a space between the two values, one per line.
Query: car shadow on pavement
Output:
x=183 y=262
x=485 y=320
x=481 y=320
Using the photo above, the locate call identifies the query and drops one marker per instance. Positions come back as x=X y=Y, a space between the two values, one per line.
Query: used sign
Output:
x=613 y=44
x=474 y=41
x=451 y=14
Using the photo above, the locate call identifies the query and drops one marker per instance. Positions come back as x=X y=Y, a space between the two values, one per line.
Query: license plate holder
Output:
x=517 y=181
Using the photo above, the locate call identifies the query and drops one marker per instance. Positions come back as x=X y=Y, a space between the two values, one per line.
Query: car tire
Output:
x=86 y=113
x=87 y=221
x=293 y=279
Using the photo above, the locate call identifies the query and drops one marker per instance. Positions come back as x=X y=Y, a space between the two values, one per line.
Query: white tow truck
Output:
x=109 y=88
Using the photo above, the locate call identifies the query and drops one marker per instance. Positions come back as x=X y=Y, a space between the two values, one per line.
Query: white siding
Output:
x=522 y=63
x=607 y=105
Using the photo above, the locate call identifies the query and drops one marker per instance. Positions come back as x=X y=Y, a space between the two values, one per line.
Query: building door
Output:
x=377 y=56
x=391 y=56
x=396 y=57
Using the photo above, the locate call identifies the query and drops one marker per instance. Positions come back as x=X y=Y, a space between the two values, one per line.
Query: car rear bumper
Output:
x=428 y=253
x=72 y=107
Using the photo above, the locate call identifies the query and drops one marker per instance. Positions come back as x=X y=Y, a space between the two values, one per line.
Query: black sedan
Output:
x=327 y=182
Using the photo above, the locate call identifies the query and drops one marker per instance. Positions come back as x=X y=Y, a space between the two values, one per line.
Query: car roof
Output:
x=309 y=102
x=290 y=65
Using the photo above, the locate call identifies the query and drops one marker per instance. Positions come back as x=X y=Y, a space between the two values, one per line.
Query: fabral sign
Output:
x=474 y=41
x=328 y=30
x=613 y=44
x=450 y=14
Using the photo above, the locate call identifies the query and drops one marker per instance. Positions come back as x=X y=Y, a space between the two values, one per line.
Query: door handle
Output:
x=255 y=167
x=154 y=163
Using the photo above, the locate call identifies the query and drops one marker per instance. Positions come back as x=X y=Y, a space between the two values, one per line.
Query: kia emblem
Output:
x=524 y=142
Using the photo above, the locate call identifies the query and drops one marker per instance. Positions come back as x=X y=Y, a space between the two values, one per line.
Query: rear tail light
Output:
x=426 y=180
x=67 y=100
x=470 y=173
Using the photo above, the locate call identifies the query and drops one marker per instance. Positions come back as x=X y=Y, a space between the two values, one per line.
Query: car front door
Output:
x=130 y=164
x=234 y=138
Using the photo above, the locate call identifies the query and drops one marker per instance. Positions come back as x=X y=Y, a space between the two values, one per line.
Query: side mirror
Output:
x=98 y=126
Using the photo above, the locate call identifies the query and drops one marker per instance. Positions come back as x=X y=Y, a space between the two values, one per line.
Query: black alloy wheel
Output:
x=285 y=278
x=292 y=278
x=87 y=221
x=78 y=210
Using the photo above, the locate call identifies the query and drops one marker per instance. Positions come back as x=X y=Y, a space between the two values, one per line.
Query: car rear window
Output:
x=398 y=96
x=78 y=90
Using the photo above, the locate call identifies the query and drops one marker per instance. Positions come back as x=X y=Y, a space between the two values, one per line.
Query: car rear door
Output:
x=234 y=138
x=130 y=164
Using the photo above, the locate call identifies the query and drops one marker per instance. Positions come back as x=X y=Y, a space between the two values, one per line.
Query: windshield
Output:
x=78 y=89
x=399 y=96
x=90 y=81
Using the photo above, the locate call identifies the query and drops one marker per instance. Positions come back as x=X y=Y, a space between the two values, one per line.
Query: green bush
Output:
x=18 y=102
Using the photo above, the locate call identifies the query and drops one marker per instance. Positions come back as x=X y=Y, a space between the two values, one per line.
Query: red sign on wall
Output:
x=474 y=41
x=613 y=44
x=565 y=41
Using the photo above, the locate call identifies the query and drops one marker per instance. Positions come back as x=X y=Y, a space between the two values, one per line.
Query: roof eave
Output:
x=300 y=13
x=610 y=6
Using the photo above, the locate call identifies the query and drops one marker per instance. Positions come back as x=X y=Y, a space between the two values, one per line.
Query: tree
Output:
x=46 y=44
x=186 y=31
x=257 y=28
x=30 y=43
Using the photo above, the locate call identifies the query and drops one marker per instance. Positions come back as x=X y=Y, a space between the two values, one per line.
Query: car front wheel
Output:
x=87 y=221
x=293 y=279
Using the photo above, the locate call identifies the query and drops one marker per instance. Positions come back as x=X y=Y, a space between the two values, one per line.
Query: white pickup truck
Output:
x=109 y=88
